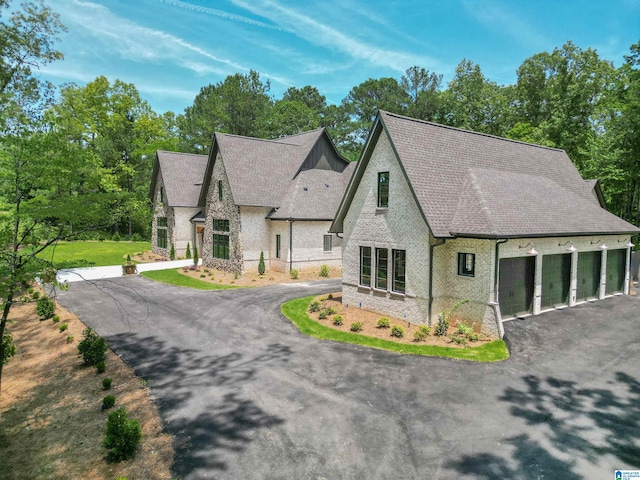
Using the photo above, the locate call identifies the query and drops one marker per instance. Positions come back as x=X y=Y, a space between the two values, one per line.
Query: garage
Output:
x=588 y=275
x=616 y=263
x=516 y=286
x=556 y=280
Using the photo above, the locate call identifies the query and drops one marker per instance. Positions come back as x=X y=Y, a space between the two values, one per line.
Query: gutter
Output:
x=431 y=248
x=290 y=244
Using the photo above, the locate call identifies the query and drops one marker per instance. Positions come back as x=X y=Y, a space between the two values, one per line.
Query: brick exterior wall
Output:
x=255 y=236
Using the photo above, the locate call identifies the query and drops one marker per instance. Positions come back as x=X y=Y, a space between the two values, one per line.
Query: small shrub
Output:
x=122 y=436
x=338 y=320
x=69 y=338
x=464 y=329
x=172 y=252
x=457 y=339
x=442 y=326
x=55 y=318
x=188 y=252
x=384 y=322
x=314 y=306
x=356 y=326
x=323 y=314
x=426 y=329
x=108 y=402
x=397 y=331
x=63 y=327
x=93 y=348
x=293 y=274
x=101 y=367
x=30 y=290
x=35 y=295
x=128 y=258
x=195 y=254
x=206 y=270
x=331 y=311
x=472 y=337
x=203 y=276
x=106 y=383
x=261 y=267
x=45 y=307
x=419 y=336
x=116 y=237
x=324 y=271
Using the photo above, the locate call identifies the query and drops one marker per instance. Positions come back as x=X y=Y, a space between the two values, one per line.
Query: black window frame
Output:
x=382 y=266
x=220 y=190
x=278 y=245
x=383 y=189
x=365 y=266
x=464 y=270
x=399 y=278
x=220 y=225
x=328 y=239
x=220 y=248
x=162 y=239
x=161 y=194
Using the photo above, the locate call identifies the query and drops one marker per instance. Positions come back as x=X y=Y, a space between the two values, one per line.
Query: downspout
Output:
x=290 y=244
x=431 y=247
x=496 y=284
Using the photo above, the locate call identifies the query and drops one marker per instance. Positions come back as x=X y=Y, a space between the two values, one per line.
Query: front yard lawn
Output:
x=92 y=253
x=173 y=277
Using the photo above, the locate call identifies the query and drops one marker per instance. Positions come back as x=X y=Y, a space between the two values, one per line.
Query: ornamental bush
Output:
x=384 y=322
x=188 y=252
x=324 y=270
x=45 y=307
x=122 y=436
x=93 y=348
x=261 y=267
x=108 y=401
x=356 y=326
x=397 y=331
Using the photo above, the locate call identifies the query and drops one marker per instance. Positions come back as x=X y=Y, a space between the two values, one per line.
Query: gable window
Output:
x=278 y=245
x=220 y=225
x=399 y=275
x=382 y=256
x=161 y=236
x=383 y=189
x=220 y=190
x=365 y=266
x=161 y=194
x=220 y=246
x=467 y=264
x=327 y=243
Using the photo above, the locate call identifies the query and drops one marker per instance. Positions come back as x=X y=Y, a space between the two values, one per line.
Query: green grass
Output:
x=173 y=277
x=296 y=311
x=99 y=254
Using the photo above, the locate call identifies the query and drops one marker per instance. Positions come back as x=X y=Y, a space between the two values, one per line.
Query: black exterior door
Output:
x=556 y=280
x=616 y=263
x=588 y=275
x=515 y=290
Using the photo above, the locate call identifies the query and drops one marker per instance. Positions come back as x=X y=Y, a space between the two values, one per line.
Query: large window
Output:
x=382 y=256
x=221 y=246
x=467 y=264
x=278 y=246
x=162 y=232
x=365 y=266
x=220 y=225
x=383 y=189
x=399 y=263
x=327 y=243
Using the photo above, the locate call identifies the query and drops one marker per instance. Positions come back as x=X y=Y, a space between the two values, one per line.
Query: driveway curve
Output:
x=248 y=396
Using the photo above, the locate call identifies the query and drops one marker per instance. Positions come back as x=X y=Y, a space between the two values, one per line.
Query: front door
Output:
x=515 y=290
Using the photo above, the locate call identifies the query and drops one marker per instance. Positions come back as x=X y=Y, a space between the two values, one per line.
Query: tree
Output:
x=423 y=88
x=290 y=117
x=261 y=267
x=308 y=96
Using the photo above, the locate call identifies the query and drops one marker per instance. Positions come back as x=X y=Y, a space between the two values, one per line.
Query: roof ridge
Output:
x=271 y=140
x=462 y=130
x=183 y=153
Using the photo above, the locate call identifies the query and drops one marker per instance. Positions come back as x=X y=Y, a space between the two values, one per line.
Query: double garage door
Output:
x=517 y=280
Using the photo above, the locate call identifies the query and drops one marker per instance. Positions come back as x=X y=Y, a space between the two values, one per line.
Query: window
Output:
x=383 y=189
x=399 y=263
x=278 y=244
x=327 y=243
x=220 y=225
x=161 y=194
x=382 y=255
x=467 y=264
x=220 y=190
x=365 y=266
x=162 y=232
x=221 y=246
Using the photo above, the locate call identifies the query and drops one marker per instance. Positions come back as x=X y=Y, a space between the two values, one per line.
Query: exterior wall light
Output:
x=601 y=247
x=570 y=248
x=532 y=250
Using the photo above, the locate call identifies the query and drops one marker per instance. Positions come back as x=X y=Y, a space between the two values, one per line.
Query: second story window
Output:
x=383 y=189
x=220 y=190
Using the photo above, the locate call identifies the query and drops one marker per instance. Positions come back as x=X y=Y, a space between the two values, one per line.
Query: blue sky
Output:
x=171 y=48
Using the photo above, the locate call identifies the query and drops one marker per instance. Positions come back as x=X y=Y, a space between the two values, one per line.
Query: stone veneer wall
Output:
x=222 y=210
x=161 y=210
x=400 y=226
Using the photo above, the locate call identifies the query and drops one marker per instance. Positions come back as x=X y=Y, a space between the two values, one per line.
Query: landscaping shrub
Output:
x=397 y=331
x=63 y=327
x=464 y=329
x=293 y=274
x=45 y=308
x=101 y=367
x=472 y=337
x=323 y=314
x=261 y=267
x=337 y=320
x=330 y=296
x=421 y=334
x=195 y=254
x=122 y=436
x=426 y=329
x=331 y=311
x=108 y=402
x=457 y=339
x=136 y=237
x=116 y=237
x=35 y=295
x=172 y=252
x=324 y=271
x=93 y=348
x=69 y=338
x=56 y=318
x=356 y=326
x=442 y=326
x=106 y=383
x=384 y=322
x=188 y=252
x=314 y=306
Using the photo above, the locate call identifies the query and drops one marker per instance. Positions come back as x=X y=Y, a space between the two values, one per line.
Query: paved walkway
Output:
x=70 y=275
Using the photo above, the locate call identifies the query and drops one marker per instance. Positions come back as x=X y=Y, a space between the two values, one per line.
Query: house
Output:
x=434 y=215
x=176 y=182
x=277 y=197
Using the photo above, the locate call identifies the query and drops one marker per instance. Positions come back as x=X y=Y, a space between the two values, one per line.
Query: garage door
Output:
x=556 y=280
x=515 y=292
x=616 y=263
x=588 y=275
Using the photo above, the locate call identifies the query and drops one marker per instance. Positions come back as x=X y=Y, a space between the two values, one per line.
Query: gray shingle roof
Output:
x=467 y=183
x=182 y=174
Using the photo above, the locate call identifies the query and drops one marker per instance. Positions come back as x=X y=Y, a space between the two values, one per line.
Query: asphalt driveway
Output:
x=247 y=396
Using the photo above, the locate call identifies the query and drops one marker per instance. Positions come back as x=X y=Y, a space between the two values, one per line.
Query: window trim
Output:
x=378 y=283
x=383 y=190
x=327 y=239
x=362 y=265
x=464 y=270
x=396 y=278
